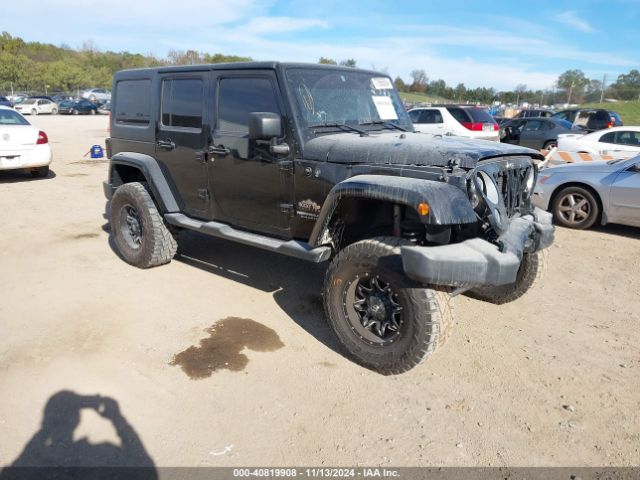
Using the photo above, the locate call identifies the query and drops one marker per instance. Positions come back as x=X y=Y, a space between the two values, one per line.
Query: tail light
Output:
x=42 y=138
x=478 y=126
x=610 y=124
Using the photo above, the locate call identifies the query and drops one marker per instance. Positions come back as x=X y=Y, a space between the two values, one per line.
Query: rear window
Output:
x=10 y=117
x=133 y=102
x=182 y=100
x=474 y=115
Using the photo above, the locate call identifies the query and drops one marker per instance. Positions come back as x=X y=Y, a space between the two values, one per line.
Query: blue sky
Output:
x=478 y=43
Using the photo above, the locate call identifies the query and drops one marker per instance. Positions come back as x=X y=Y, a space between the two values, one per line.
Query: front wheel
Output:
x=54 y=111
x=75 y=111
x=140 y=234
x=385 y=321
x=531 y=272
x=575 y=207
x=93 y=111
x=550 y=144
x=34 y=112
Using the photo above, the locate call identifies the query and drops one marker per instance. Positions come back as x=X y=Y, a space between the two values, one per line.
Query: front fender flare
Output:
x=448 y=204
x=162 y=191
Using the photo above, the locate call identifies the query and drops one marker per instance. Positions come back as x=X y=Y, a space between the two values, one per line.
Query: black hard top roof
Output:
x=243 y=66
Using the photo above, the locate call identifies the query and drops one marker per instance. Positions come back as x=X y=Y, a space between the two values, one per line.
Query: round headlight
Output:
x=489 y=187
x=529 y=180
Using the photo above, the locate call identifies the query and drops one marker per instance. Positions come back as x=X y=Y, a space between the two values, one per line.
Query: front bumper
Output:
x=477 y=262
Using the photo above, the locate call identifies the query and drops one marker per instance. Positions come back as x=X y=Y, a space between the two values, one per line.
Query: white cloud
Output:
x=571 y=19
x=275 y=25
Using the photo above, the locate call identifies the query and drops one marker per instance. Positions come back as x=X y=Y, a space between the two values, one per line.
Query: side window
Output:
x=238 y=97
x=182 y=102
x=133 y=102
x=627 y=138
x=430 y=116
x=608 y=138
x=414 y=115
x=459 y=114
x=533 y=126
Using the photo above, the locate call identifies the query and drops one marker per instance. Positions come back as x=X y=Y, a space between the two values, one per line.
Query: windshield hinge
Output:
x=285 y=165
x=287 y=209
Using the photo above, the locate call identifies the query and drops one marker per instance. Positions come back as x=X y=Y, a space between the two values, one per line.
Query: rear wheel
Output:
x=75 y=111
x=575 y=207
x=54 y=111
x=40 y=172
x=385 y=321
x=93 y=111
x=140 y=234
x=550 y=144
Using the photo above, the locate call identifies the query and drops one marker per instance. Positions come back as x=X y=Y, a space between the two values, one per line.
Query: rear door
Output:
x=533 y=134
x=181 y=138
x=428 y=120
x=252 y=187
x=624 y=197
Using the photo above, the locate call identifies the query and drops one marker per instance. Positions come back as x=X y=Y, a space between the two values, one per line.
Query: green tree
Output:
x=350 y=62
x=573 y=83
x=627 y=86
x=400 y=85
x=327 y=61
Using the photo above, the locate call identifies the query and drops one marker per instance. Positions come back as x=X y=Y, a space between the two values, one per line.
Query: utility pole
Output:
x=604 y=82
x=570 y=92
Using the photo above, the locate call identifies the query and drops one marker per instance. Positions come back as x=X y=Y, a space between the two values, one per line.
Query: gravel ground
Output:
x=223 y=358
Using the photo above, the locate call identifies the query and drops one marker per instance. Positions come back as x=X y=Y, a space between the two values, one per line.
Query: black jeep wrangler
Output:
x=322 y=163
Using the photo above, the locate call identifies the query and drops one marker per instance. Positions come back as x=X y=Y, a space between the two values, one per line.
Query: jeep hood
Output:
x=410 y=148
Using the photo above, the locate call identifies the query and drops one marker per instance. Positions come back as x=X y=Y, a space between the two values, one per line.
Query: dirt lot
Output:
x=551 y=379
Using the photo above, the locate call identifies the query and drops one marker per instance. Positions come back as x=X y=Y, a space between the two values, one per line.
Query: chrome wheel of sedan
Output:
x=576 y=207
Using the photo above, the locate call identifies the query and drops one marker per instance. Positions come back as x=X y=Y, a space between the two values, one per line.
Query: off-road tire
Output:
x=157 y=245
x=427 y=314
x=40 y=172
x=531 y=272
x=579 y=193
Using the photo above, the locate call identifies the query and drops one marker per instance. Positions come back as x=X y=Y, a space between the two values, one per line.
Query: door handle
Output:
x=219 y=150
x=166 y=144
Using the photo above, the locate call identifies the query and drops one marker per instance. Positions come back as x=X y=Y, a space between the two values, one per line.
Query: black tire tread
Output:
x=533 y=274
x=164 y=244
x=436 y=305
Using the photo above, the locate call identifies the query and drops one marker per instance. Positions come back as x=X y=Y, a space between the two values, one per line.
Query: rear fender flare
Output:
x=150 y=168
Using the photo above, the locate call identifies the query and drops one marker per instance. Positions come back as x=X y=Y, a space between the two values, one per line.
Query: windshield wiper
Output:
x=342 y=126
x=390 y=125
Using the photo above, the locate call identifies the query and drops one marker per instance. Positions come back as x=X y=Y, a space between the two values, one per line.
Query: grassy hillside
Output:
x=629 y=111
x=421 y=97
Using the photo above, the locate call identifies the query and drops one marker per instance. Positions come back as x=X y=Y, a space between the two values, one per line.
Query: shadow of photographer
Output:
x=53 y=453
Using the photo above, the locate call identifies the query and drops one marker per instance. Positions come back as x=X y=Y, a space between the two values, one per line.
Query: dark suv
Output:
x=321 y=163
x=590 y=119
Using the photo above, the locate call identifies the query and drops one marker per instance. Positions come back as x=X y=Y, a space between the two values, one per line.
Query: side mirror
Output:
x=264 y=125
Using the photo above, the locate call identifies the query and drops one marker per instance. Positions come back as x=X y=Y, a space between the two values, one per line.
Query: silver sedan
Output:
x=580 y=194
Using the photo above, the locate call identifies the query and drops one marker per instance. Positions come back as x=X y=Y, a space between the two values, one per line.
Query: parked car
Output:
x=612 y=141
x=590 y=119
x=95 y=95
x=36 y=106
x=22 y=146
x=75 y=107
x=5 y=102
x=538 y=133
x=458 y=120
x=105 y=108
x=581 y=194
x=534 y=112
x=617 y=119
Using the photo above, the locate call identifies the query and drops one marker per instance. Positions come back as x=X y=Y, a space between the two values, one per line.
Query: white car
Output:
x=94 y=95
x=36 y=106
x=616 y=141
x=22 y=146
x=458 y=120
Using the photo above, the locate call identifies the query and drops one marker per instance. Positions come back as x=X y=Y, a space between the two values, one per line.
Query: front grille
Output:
x=511 y=185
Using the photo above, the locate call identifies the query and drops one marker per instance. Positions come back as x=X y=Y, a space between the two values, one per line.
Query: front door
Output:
x=625 y=197
x=252 y=187
x=181 y=139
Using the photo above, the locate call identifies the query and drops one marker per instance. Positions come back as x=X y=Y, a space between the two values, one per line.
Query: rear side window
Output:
x=238 y=97
x=182 y=103
x=11 y=117
x=480 y=115
x=133 y=102
x=459 y=114
x=608 y=137
x=430 y=116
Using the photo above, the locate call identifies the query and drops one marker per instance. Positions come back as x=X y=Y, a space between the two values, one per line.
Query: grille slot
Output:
x=511 y=185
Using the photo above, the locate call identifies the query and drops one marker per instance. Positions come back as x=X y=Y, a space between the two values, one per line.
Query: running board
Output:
x=292 y=248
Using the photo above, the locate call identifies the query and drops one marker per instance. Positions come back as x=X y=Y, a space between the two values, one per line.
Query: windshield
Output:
x=340 y=97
